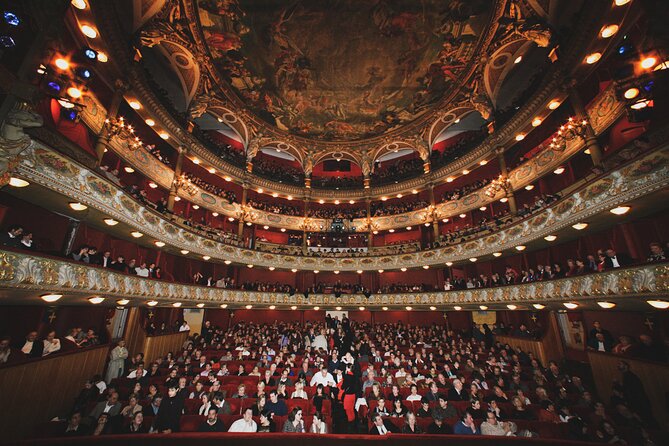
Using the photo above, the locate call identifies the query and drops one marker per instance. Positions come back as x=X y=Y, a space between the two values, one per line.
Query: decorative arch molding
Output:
x=144 y=10
x=501 y=62
x=446 y=119
x=416 y=144
x=232 y=120
x=184 y=65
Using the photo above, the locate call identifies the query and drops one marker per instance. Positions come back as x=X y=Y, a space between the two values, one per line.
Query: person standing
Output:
x=117 y=359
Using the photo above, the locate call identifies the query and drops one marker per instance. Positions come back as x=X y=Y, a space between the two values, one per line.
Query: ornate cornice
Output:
x=646 y=175
x=29 y=272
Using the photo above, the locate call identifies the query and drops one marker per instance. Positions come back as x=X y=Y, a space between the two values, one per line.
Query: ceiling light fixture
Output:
x=503 y=200
x=426 y=266
x=272 y=307
x=205 y=258
x=483 y=307
x=338 y=308
x=89 y=31
x=361 y=308
x=159 y=244
x=150 y=122
x=135 y=105
x=609 y=31
x=271 y=268
x=433 y=308
x=152 y=303
x=648 y=62
x=550 y=238
x=79 y=4
x=518 y=60
x=123 y=302
x=622 y=2
x=380 y=271
x=620 y=210
x=61 y=64
x=606 y=305
x=483 y=162
x=153 y=185
x=553 y=104
x=529 y=187
x=110 y=222
x=50 y=297
x=593 y=58
x=497 y=254
x=539 y=306
x=316 y=308
x=184 y=251
x=465 y=172
x=227 y=262
x=129 y=169
x=136 y=234
x=164 y=135
x=78 y=206
x=102 y=57
x=248 y=307
x=449 y=179
x=409 y=308
x=536 y=122
x=559 y=171
x=473 y=259
x=451 y=263
x=511 y=306
x=520 y=137
x=384 y=308
x=196 y=207
x=214 y=214
x=580 y=226
x=457 y=308
x=200 y=305
x=403 y=269
x=224 y=306
x=571 y=305
x=659 y=304
x=294 y=307
x=359 y=271
x=176 y=304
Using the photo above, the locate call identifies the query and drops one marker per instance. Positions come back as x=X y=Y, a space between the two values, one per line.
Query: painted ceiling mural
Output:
x=342 y=69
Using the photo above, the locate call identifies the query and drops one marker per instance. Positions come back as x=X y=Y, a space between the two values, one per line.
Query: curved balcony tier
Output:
x=24 y=276
x=644 y=176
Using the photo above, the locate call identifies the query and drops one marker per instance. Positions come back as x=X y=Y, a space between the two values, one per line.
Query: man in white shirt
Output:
x=142 y=270
x=184 y=327
x=379 y=427
x=139 y=372
x=245 y=424
x=493 y=427
x=324 y=377
x=320 y=341
x=51 y=344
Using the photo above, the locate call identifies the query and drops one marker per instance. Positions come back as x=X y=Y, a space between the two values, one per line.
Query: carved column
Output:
x=591 y=143
x=433 y=203
x=112 y=112
x=240 y=226
x=370 y=235
x=304 y=231
x=177 y=173
x=504 y=171
x=70 y=236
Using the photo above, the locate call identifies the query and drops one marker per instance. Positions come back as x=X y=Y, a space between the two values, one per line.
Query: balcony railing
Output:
x=645 y=175
x=19 y=271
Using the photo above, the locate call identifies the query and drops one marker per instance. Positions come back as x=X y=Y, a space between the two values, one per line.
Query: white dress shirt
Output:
x=242 y=426
x=326 y=380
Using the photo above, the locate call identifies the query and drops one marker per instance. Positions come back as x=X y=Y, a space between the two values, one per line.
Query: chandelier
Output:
x=567 y=132
x=500 y=183
x=184 y=183
x=117 y=127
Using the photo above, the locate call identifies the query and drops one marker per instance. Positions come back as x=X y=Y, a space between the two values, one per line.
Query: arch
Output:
x=184 y=65
x=447 y=119
x=396 y=146
x=501 y=63
x=231 y=119
x=144 y=10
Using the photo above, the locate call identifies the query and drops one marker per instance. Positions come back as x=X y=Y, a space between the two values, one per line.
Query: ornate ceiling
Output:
x=340 y=77
x=342 y=69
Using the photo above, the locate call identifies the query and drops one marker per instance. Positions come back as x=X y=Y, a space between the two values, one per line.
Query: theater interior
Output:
x=348 y=221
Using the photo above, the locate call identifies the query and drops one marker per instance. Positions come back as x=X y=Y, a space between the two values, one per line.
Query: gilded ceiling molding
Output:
x=41 y=165
x=29 y=272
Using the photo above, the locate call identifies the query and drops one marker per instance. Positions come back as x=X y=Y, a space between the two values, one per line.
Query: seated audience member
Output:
x=299 y=392
x=616 y=259
x=244 y=424
x=9 y=355
x=266 y=424
x=519 y=411
x=81 y=255
x=500 y=428
x=318 y=424
x=398 y=409
x=32 y=347
x=410 y=425
x=241 y=392
x=475 y=409
x=169 y=413
x=600 y=343
x=443 y=410
x=438 y=427
x=111 y=407
x=625 y=346
x=132 y=408
x=27 y=241
x=414 y=396
x=548 y=412
x=276 y=406
x=223 y=406
x=466 y=425
x=294 y=423
x=102 y=426
x=457 y=392
x=152 y=409
x=51 y=344
x=136 y=426
x=212 y=423
x=319 y=397
x=424 y=411
x=657 y=254
x=324 y=378
x=74 y=426
x=381 y=426
x=12 y=237
x=380 y=409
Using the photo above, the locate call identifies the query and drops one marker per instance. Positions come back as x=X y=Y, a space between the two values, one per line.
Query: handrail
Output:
x=27 y=271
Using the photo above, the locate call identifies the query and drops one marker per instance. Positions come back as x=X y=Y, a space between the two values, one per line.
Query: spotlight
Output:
x=74 y=92
x=593 y=58
x=90 y=53
x=102 y=57
x=89 y=31
x=61 y=64
x=11 y=19
x=7 y=42
x=83 y=73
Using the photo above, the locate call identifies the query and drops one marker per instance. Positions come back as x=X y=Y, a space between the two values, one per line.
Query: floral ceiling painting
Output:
x=342 y=69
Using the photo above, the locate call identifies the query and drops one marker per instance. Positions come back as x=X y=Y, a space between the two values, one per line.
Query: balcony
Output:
x=25 y=276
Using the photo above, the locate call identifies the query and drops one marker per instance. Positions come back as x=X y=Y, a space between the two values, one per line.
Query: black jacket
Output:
x=169 y=414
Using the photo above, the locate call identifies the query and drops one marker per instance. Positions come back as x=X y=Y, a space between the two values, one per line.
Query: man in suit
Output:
x=111 y=407
x=32 y=347
x=433 y=394
x=616 y=259
x=12 y=237
x=381 y=426
x=457 y=392
x=222 y=405
x=597 y=329
x=151 y=410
